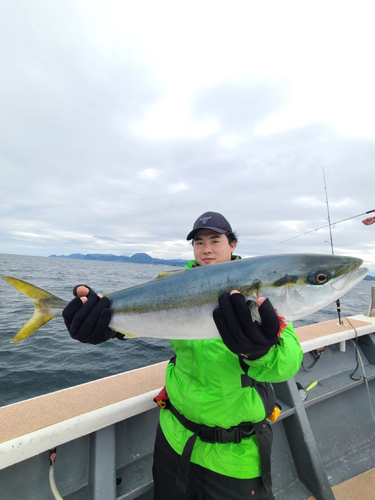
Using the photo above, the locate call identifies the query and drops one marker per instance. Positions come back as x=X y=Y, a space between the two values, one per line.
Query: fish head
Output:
x=305 y=283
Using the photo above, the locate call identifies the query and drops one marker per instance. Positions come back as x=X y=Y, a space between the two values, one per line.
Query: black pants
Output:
x=203 y=484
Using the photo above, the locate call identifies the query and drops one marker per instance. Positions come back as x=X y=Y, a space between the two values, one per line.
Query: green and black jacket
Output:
x=206 y=385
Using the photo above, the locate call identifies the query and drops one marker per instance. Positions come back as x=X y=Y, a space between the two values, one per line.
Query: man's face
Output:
x=211 y=247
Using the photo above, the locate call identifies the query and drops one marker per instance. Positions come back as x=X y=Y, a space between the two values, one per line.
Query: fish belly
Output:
x=184 y=324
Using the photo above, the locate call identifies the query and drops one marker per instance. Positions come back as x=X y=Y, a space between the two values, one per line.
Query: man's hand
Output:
x=87 y=316
x=368 y=221
x=239 y=332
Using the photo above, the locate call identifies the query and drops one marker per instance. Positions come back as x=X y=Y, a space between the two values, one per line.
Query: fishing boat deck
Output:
x=53 y=408
x=63 y=416
x=360 y=487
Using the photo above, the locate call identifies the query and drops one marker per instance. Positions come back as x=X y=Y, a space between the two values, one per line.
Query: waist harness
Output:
x=262 y=430
x=220 y=435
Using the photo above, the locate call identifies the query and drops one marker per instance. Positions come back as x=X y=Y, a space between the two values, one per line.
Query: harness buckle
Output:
x=231 y=435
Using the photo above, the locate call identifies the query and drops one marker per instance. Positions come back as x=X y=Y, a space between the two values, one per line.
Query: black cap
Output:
x=210 y=220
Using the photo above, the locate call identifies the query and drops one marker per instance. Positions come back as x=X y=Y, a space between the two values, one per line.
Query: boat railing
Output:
x=103 y=431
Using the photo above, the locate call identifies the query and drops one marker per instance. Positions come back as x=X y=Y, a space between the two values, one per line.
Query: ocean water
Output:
x=50 y=360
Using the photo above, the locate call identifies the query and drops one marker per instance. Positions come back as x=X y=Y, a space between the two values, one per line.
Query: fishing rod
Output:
x=328 y=214
x=327 y=225
x=338 y=305
x=338 y=308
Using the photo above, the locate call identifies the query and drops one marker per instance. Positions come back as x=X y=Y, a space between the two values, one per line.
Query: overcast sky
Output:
x=121 y=122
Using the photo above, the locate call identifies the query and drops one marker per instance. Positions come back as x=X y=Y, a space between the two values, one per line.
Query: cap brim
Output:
x=192 y=233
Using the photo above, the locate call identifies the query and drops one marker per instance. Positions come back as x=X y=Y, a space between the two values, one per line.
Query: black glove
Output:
x=89 y=322
x=239 y=332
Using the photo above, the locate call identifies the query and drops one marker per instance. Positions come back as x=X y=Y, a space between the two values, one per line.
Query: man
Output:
x=213 y=441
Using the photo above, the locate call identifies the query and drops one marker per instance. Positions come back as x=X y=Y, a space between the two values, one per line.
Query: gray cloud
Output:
x=241 y=106
x=74 y=163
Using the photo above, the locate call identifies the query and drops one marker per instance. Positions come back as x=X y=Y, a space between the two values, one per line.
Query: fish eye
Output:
x=319 y=278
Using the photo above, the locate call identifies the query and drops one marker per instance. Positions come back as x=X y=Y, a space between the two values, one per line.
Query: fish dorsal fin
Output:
x=168 y=274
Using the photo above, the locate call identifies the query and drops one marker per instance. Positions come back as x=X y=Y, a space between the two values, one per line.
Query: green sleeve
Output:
x=281 y=362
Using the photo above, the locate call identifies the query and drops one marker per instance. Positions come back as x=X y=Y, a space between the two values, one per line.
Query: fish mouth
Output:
x=349 y=280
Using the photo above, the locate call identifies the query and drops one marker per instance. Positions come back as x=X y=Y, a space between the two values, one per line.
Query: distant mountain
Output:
x=369 y=278
x=137 y=258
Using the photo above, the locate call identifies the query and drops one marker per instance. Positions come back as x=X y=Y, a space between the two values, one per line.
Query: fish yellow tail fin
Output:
x=47 y=306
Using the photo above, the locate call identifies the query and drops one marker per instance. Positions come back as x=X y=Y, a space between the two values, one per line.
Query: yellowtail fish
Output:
x=179 y=304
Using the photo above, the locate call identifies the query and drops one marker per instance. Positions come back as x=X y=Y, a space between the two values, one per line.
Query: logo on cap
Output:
x=205 y=219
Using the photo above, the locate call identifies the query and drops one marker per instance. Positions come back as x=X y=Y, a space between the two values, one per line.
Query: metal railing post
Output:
x=102 y=474
x=371 y=307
